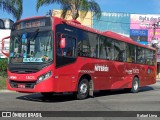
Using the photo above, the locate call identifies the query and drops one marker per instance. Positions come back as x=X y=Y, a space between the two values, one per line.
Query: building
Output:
x=116 y=22
x=87 y=21
x=5 y=30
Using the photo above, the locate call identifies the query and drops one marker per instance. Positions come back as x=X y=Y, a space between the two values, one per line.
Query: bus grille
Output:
x=23 y=71
x=27 y=85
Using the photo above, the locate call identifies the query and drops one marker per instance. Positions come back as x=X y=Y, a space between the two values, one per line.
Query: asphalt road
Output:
x=148 y=99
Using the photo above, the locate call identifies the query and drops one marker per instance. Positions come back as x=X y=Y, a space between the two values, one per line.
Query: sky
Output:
x=127 y=6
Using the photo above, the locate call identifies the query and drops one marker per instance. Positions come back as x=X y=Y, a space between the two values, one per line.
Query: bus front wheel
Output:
x=83 y=89
x=135 y=85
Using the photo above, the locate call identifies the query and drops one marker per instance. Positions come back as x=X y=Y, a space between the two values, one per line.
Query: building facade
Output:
x=87 y=21
x=116 y=22
x=5 y=30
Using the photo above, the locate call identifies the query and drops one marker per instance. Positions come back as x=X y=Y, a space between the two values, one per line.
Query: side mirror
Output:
x=2 y=50
x=62 y=42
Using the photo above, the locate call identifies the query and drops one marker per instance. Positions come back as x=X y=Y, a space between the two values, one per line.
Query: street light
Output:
x=155 y=43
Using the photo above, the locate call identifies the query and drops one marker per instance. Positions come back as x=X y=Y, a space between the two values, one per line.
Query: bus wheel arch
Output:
x=85 y=87
x=135 y=84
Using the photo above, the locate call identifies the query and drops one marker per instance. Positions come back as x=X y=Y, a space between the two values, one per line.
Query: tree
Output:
x=74 y=6
x=13 y=7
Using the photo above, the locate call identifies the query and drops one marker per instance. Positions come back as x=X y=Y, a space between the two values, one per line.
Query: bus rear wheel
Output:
x=135 y=85
x=83 y=89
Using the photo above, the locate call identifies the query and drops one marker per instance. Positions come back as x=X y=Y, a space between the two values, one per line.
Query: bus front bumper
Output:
x=31 y=86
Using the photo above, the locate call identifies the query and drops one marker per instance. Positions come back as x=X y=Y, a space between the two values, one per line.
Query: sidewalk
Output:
x=5 y=90
x=158 y=79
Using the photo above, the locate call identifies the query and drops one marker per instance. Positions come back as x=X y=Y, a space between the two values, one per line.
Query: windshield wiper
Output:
x=17 y=38
x=34 y=35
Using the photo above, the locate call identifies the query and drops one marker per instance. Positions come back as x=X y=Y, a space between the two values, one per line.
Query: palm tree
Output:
x=13 y=7
x=74 y=6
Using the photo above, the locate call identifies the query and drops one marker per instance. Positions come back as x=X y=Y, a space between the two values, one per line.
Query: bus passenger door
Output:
x=65 y=57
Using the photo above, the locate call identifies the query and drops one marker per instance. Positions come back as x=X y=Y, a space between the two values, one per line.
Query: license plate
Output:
x=21 y=85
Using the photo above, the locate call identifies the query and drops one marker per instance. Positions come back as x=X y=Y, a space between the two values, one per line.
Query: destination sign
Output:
x=41 y=22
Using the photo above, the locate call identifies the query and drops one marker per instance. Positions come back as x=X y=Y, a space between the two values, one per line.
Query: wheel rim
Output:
x=83 y=88
x=135 y=85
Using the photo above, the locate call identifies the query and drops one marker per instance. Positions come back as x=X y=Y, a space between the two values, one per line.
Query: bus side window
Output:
x=130 y=53
x=149 y=57
x=103 y=54
x=87 y=44
x=106 y=48
x=140 y=55
x=120 y=51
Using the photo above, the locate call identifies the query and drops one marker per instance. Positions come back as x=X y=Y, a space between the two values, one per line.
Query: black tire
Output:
x=83 y=89
x=135 y=85
x=47 y=94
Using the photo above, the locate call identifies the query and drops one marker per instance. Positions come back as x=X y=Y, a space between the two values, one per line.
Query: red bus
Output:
x=52 y=55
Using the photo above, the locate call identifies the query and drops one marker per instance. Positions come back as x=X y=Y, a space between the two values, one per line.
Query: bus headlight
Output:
x=44 y=76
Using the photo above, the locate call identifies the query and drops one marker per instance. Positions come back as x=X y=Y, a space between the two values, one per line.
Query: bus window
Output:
x=140 y=55
x=110 y=48
x=87 y=44
x=120 y=51
x=149 y=57
x=70 y=49
x=106 y=48
x=154 y=58
x=102 y=48
x=93 y=44
x=130 y=53
x=83 y=44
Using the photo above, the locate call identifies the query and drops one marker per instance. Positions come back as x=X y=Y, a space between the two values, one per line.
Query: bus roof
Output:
x=34 y=17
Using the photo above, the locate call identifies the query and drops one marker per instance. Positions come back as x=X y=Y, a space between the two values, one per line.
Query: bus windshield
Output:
x=31 y=47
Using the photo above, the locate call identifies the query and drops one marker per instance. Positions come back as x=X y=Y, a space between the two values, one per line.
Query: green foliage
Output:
x=74 y=6
x=13 y=7
x=3 y=67
x=2 y=83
